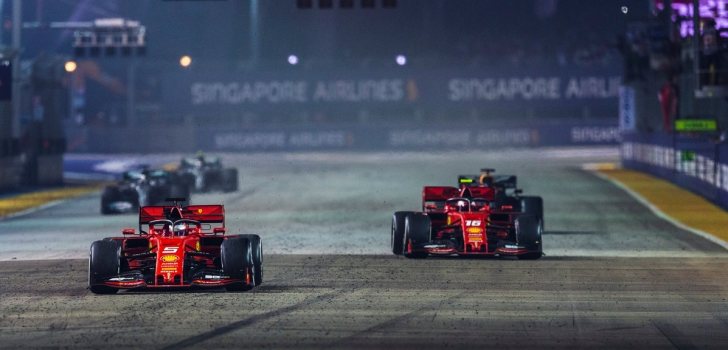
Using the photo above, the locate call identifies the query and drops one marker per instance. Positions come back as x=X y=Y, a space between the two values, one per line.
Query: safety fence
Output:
x=694 y=162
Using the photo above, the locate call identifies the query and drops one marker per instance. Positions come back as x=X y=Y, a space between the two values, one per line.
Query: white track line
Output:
x=655 y=210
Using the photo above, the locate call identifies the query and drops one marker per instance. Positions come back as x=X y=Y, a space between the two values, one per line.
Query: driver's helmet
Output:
x=486 y=179
x=200 y=156
x=460 y=205
x=181 y=229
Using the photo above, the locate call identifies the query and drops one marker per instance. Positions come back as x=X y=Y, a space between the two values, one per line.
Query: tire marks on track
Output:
x=392 y=322
x=250 y=321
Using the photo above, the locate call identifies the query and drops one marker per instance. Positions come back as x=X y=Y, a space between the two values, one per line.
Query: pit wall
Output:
x=694 y=162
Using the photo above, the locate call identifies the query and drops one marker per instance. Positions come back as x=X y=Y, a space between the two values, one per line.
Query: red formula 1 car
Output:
x=176 y=247
x=473 y=219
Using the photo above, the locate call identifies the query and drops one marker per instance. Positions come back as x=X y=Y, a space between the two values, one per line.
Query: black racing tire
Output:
x=206 y=178
x=398 y=219
x=529 y=234
x=533 y=205
x=104 y=262
x=257 y=246
x=229 y=179
x=236 y=255
x=507 y=203
x=417 y=228
x=108 y=196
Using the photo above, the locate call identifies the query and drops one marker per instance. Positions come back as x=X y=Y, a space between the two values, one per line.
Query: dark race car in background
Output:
x=176 y=246
x=506 y=194
x=205 y=174
x=142 y=187
x=473 y=219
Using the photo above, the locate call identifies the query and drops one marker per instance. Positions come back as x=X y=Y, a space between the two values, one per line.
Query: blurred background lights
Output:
x=293 y=59
x=70 y=66
x=401 y=60
x=185 y=61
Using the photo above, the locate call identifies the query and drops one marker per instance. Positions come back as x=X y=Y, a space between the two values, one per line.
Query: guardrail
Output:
x=695 y=163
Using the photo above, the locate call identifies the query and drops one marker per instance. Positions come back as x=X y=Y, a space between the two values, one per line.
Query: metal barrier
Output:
x=695 y=163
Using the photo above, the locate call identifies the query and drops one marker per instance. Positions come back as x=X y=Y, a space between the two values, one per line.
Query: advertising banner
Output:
x=509 y=92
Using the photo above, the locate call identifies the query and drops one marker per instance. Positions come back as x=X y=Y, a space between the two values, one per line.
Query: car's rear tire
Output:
x=236 y=256
x=104 y=262
x=257 y=246
x=229 y=180
x=417 y=228
x=528 y=233
x=398 y=231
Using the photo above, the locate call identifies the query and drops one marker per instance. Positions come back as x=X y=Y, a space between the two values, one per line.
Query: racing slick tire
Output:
x=236 y=256
x=398 y=231
x=103 y=262
x=257 y=245
x=528 y=233
x=110 y=195
x=533 y=205
x=417 y=228
x=507 y=203
x=229 y=179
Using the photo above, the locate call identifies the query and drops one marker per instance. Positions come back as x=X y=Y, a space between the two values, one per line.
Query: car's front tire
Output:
x=257 y=252
x=417 y=228
x=104 y=262
x=397 y=237
x=236 y=256
x=533 y=205
x=529 y=234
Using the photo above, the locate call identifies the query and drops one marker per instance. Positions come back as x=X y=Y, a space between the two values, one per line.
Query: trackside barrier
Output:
x=698 y=165
x=354 y=137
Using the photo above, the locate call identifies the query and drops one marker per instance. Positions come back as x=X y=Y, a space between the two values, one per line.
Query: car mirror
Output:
x=217 y=230
x=128 y=231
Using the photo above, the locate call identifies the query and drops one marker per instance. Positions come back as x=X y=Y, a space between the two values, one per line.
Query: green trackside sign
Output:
x=696 y=125
x=687 y=156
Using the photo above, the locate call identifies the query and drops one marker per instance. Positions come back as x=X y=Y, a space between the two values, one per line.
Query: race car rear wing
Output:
x=434 y=197
x=479 y=192
x=210 y=214
x=439 y=193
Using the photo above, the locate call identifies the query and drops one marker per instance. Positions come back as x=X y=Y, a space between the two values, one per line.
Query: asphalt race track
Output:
x=615 y=275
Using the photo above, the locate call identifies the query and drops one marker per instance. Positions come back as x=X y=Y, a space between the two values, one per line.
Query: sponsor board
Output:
x=498 y=90
x=282 y=140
